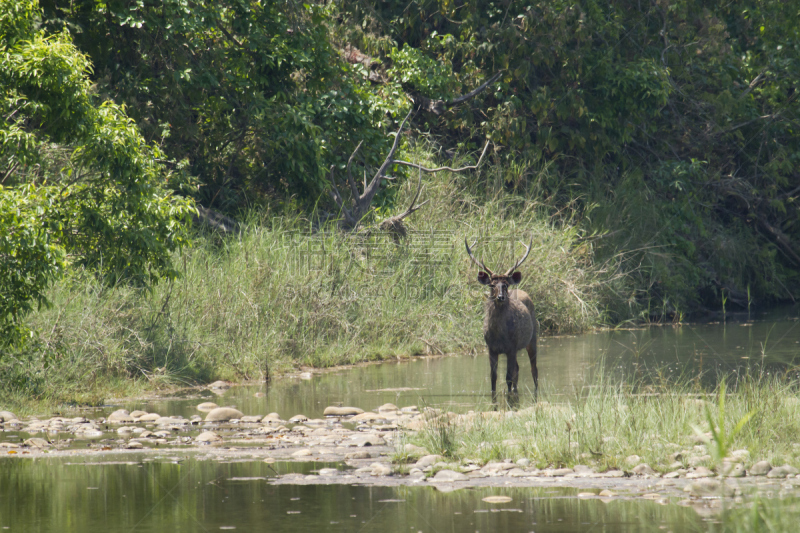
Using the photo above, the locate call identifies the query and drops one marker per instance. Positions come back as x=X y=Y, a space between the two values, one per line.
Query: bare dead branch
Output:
x=439 y=169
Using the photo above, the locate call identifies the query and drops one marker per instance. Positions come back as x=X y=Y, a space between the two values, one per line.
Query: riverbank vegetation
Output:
x=286 y=293
x=609 y=424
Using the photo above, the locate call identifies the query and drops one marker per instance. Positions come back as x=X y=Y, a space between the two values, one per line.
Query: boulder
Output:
x=138 y=413
x=644 y=469
x=223 y=414
x=149 y=417
x=206 y=407
x=388 y=408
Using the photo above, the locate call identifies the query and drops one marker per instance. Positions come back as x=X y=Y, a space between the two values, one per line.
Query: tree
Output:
x=78 y=184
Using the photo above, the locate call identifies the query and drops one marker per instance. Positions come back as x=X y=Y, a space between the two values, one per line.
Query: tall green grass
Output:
x=293 y=291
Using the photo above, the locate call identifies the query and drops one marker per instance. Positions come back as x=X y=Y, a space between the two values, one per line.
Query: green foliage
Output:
x=669 y=128
x=79 y=184
x=412 y=68
x=252 y=95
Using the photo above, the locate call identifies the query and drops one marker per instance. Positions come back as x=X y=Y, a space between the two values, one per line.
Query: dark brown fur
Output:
x=509 y=325
x=509 y=322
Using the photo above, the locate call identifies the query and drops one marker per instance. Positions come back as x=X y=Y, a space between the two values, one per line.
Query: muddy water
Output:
x=763 y=343
x=164 y=494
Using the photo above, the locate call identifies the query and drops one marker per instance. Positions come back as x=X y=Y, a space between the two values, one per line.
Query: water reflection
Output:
x=165 y=495
x=461 y=383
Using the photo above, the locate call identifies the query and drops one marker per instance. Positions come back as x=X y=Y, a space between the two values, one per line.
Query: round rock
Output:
x=761 y=468
x=149 y=417
x=643 y=469
x=341 y=411
x=6 y=416
x=223 y=414
x=120 y=416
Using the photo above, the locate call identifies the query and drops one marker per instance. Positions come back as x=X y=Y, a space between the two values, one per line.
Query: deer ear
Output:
x=516 y=277
x=483 y=278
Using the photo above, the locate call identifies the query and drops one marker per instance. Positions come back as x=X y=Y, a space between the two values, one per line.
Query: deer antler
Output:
x=480 y=265
x=524 y=257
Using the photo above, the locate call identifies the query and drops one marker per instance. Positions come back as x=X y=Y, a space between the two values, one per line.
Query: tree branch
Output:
x=429 y=170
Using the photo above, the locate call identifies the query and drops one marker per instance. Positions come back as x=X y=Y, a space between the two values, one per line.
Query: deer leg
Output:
x=532 y=356
x=512 y=373
x=493 y=359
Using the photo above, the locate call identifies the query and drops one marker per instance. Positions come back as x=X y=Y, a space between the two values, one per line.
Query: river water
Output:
x=177 y=493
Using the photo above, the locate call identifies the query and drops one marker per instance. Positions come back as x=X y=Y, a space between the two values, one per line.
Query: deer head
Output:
x=498 y=283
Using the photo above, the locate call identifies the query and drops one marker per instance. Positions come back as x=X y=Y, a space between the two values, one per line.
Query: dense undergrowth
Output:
x=291 y=291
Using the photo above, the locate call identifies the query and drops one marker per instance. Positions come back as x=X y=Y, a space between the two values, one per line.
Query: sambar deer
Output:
x=509 y=322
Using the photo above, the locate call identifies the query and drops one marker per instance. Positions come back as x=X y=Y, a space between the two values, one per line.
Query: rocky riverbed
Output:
x=370 y=448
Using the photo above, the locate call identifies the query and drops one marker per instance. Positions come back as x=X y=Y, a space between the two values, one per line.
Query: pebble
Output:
x=644 y=469
x=223 y=414
x=302 y=453
x=134 y=445
x=36 y=442
x=388 y=408
x=298 y=419
x=328 y=472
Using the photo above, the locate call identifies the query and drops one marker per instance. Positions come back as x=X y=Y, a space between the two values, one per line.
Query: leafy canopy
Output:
x=78 y=183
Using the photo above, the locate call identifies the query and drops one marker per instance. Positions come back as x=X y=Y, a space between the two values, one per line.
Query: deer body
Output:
x=509 y=323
